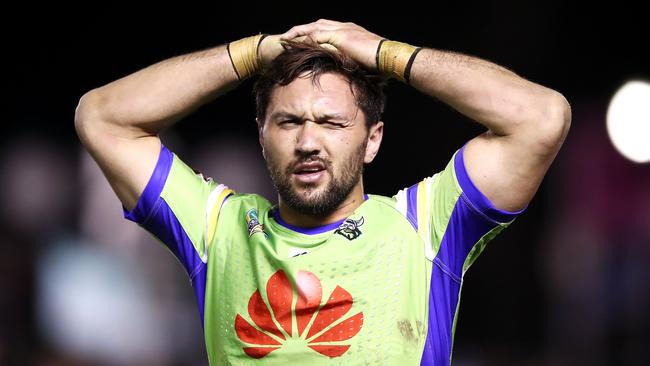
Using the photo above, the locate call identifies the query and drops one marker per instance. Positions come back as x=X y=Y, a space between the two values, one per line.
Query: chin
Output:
x=310 y=191
x=312 y=186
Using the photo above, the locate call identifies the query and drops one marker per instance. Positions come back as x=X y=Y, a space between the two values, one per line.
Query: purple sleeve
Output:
x=141 y=213
x=476 y=197
x=471 y=223
x=154 y=214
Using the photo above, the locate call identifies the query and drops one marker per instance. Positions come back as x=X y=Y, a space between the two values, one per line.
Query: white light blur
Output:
x=628 y=121
x=91 y=305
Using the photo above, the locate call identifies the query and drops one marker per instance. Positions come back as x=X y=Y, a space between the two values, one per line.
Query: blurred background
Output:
x=567 y=284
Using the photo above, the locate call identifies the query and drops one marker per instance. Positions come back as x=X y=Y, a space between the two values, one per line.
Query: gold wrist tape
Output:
x=243 y=54
x=395 y=59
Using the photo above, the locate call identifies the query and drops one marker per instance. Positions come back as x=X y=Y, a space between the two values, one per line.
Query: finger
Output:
x=299 y=39
x=328 y=22
x=299 y=30
x=323 y=36
x=324 y=39
x=310 y=39
x=305 y=29
x=329 y=47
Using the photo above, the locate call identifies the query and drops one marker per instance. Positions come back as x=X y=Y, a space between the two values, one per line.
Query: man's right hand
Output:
x=269 y=49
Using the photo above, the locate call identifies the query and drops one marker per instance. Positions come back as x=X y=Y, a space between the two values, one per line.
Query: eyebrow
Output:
x=290 y=116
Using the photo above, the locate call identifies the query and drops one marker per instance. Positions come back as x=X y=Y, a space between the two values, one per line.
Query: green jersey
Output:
x=380 y=286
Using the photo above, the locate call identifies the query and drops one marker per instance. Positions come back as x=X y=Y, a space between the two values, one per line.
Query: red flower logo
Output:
x=318 y=334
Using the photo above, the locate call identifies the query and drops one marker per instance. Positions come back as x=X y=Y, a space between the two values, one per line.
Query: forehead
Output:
x=332 y=94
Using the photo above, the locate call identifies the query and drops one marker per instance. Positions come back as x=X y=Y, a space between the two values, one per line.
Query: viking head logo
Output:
x=350 y=228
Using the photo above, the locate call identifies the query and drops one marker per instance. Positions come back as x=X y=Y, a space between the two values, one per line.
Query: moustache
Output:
x=309 y=159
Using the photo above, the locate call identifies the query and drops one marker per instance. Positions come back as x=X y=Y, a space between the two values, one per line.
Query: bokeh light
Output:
x=628 y=121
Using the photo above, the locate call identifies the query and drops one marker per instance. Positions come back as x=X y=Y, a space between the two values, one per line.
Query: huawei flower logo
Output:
x=318 y=325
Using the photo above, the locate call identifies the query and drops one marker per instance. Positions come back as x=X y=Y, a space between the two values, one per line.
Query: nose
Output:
x=308 y=139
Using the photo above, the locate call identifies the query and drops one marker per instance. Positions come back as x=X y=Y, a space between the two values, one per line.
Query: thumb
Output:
x=325 y=39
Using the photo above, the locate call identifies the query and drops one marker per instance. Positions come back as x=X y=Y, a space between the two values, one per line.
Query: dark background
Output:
x=585 y=51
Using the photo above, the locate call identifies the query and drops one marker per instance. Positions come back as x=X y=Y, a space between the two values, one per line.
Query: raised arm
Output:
x=526 y=122
x=119 y=123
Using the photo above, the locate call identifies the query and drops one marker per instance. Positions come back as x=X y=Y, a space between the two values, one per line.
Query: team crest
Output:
x=253 y=223
x=350 y=228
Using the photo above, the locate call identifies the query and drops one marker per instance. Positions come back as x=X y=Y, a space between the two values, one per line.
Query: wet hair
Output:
x=306 y=59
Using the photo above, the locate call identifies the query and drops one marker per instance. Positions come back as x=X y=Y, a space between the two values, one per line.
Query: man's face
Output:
x=315 y=143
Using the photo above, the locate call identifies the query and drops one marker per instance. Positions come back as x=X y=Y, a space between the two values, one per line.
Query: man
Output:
x=329 y=274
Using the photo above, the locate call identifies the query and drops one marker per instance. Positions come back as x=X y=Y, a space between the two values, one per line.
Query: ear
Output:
x=260 y=135
x=374 y=140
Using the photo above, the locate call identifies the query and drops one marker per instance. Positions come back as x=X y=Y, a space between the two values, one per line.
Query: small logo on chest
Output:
x=253 y=223
x=350 y=228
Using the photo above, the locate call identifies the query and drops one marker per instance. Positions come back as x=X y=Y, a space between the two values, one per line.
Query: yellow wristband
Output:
x=395 y=59
x=243 y=55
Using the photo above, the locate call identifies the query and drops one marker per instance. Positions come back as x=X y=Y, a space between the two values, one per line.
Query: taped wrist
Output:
x=394 y=59
x=244 y=56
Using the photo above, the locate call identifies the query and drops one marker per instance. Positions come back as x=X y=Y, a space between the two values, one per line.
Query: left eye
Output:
x=333 y=124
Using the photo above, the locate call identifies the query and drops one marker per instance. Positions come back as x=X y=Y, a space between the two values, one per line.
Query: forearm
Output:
x=497 y=98
x=148 y=101
x=526 y=122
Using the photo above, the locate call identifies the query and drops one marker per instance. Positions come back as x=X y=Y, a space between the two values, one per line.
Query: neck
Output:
x=295 y=218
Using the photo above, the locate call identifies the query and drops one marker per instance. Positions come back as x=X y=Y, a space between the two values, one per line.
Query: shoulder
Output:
x=387 y=207
x=382 y=201
x=244 y=201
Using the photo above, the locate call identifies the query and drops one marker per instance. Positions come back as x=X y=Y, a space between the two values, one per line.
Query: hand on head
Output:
x=349 y=38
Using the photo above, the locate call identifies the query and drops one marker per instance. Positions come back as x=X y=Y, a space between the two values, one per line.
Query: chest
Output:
x=359 y=292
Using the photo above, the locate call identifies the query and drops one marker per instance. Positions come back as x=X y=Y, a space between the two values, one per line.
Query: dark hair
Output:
x=315 y=60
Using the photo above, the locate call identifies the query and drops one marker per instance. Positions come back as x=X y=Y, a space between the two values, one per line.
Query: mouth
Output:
x=309 y=172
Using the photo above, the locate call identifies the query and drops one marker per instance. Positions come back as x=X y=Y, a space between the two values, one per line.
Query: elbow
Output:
x=87 y=108
x=82 y=116
x=88 y=116
x=554 y=123
x=561 y=117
